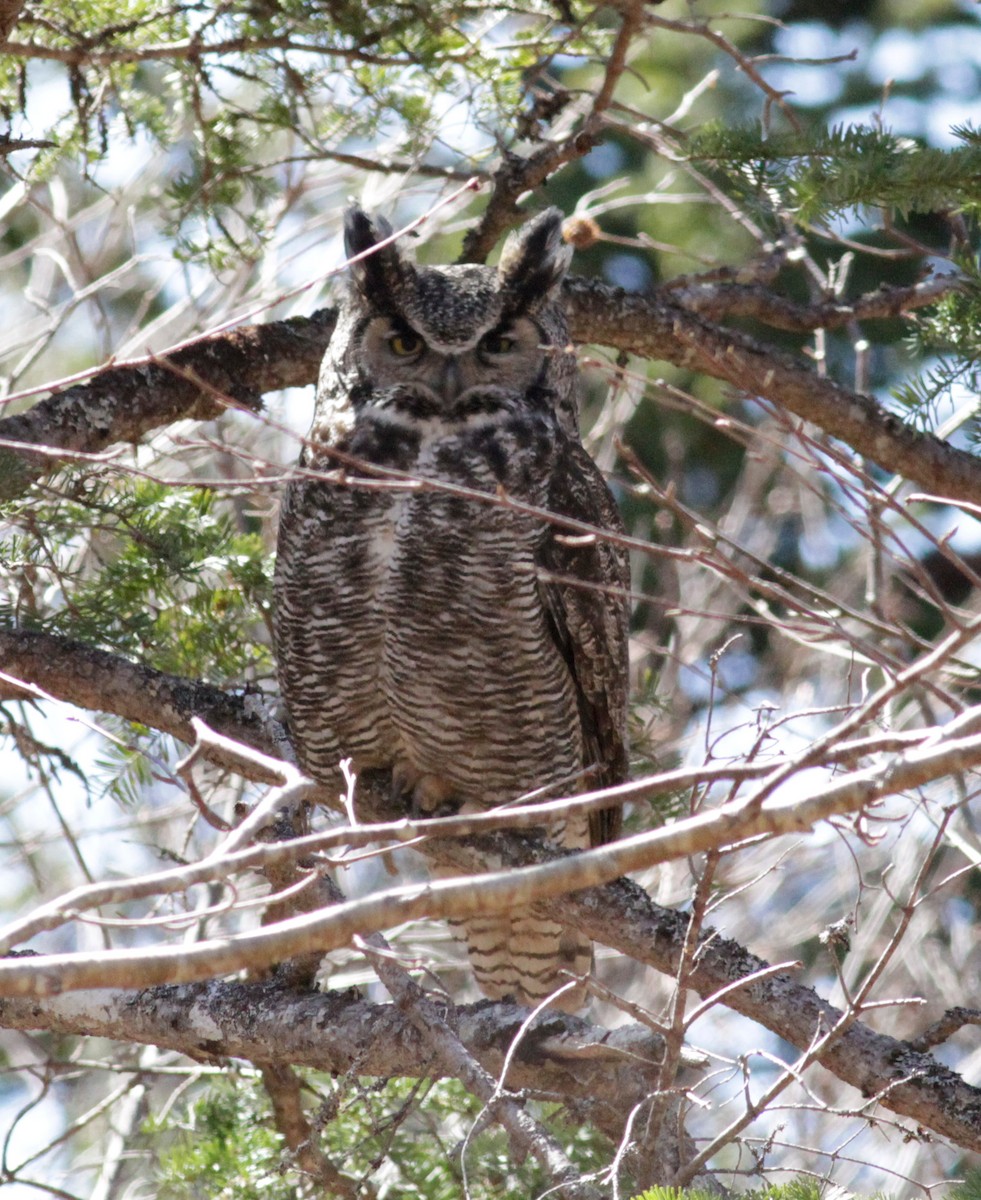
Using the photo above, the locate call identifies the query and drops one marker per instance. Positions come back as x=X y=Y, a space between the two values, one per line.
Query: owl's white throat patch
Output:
x=429 y=417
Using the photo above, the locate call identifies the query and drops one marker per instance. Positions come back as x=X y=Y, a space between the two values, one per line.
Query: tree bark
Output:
x=123 y=403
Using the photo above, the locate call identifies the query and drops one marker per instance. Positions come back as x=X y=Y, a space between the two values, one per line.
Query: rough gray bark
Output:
x=105 y=682
x=198 y=382
x=124 y=403
x=602 y=1073
x=622 y=915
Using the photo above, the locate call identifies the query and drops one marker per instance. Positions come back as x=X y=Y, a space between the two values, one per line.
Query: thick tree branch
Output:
x=946 y=750
x=125 y=403
x=656 y=329
x=621 y=915
x=604 y=1073
x=104 y=682
x=501 y=885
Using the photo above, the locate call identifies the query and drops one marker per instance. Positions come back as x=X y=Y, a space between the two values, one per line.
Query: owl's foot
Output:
x=423 y=795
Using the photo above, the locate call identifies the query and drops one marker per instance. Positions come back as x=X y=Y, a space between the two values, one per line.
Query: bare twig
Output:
x=937 y=1033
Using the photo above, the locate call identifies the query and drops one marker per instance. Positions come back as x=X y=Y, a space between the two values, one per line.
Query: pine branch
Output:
x=828 y=171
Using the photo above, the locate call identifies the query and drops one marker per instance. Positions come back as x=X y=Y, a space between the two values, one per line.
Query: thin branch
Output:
x=953 y=1020
x=517 y=175
x=83 y=55
x=746 y=65
x=714 y=301
x=949 y=750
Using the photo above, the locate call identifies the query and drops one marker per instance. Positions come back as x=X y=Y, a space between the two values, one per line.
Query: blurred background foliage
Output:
x=170 y=168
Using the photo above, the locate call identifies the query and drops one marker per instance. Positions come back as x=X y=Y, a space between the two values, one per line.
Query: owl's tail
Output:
x=523 y=956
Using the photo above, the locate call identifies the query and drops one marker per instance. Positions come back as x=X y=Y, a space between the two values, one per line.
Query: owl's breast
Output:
x=478 y=690
x=410 y=624
x=336 y=549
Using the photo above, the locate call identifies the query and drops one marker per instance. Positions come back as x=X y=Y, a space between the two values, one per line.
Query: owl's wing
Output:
x=585 y=587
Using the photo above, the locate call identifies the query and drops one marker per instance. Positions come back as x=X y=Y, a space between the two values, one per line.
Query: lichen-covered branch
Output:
x=124 y=403
x=605 y=1072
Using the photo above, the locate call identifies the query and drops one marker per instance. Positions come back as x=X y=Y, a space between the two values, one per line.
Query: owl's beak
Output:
x=451 y=378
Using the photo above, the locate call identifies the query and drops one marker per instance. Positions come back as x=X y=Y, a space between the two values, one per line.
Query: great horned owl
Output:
x=427 y=620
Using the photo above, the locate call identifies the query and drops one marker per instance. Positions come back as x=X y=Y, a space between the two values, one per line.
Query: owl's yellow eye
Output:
x=406 y=344
x=497 y=343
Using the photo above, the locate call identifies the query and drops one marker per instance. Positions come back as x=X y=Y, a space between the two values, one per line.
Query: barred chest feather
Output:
x=428 y=648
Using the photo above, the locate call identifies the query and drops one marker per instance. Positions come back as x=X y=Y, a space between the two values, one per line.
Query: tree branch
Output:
x=605 y=1073
x=104 y=682
x=284 y=1089
x=517 y=175
x=449 y=1055
x=620 y=915
x=658 y=329
x=715 y=301
x=124 y=403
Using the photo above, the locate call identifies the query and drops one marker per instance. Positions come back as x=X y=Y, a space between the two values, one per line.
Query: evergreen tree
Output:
x=777 y=299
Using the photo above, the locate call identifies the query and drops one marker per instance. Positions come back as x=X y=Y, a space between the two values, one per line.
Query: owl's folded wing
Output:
x=585 y=587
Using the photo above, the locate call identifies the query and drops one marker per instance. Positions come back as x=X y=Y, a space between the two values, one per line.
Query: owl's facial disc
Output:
x=507 y=357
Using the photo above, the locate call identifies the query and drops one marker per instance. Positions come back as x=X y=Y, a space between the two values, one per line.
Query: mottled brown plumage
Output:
x=475 y=649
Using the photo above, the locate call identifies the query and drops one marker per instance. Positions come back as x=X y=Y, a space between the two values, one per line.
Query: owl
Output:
x=434 y=616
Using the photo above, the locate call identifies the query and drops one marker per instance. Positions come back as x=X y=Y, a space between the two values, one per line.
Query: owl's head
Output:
x=443 y=331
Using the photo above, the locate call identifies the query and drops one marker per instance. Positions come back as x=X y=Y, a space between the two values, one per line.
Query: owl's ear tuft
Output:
x=534 y=261
x=382 y=270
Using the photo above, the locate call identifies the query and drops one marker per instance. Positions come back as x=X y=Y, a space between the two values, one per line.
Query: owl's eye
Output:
x=496 y=342
x=405 y=344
